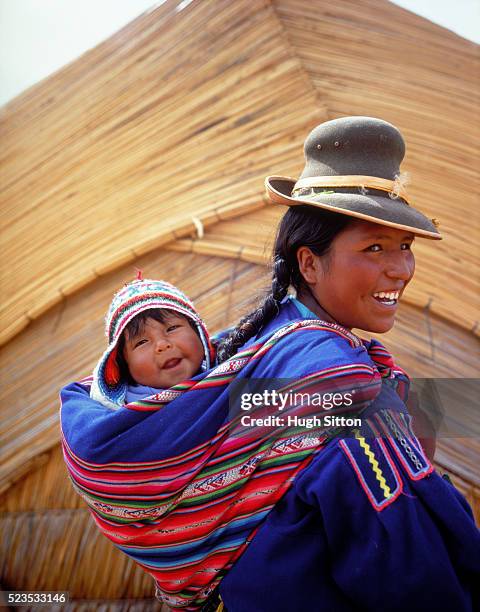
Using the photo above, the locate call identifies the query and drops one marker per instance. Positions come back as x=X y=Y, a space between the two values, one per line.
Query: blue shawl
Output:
x=179 y=481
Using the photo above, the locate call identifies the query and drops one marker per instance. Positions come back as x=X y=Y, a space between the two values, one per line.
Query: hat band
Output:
x=354 y=180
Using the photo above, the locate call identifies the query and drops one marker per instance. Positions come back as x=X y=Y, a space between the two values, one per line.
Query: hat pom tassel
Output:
x=112 y=371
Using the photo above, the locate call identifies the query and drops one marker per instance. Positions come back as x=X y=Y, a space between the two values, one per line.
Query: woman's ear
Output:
x=308 y=264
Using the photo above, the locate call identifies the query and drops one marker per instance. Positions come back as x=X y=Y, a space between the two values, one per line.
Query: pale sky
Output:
x=37 y=37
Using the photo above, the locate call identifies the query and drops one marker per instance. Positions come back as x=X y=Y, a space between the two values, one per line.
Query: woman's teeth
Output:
x=385 y=297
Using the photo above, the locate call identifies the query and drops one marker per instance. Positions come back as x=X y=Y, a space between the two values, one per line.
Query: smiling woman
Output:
x=346 y=237
x=383 y=265
x=343 y=537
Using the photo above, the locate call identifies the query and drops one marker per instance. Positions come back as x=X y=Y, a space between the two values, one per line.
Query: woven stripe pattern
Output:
x=186 y=517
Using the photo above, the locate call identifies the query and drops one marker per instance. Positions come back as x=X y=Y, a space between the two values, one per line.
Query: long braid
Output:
x=252 y=323
x=300 y=226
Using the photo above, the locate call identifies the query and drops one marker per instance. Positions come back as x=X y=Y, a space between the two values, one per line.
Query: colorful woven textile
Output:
x=178 y=484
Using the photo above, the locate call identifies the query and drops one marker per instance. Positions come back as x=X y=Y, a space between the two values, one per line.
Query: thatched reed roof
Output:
x=183 y=112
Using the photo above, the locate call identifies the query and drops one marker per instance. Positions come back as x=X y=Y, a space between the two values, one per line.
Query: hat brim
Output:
x=373 y=208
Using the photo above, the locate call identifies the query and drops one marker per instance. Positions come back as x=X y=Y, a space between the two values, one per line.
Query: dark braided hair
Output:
x=300 y=226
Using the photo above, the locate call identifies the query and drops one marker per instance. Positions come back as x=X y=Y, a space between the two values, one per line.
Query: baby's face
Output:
x=163 y=354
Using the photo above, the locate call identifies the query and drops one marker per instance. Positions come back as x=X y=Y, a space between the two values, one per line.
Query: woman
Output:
x=292 y=518
x=339 y=540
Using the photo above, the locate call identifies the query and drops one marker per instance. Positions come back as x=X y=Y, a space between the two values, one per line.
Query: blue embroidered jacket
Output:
x=368 y=525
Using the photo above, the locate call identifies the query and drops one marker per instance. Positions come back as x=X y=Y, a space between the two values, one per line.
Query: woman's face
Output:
x=365 y=261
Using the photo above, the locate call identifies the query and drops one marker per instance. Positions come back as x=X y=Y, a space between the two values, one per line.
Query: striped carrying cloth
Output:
x=178 y=484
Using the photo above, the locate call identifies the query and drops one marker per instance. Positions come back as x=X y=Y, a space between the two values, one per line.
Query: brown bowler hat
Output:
x=353 y=168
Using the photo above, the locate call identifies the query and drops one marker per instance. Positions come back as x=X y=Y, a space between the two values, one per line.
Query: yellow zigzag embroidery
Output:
x=374 y=464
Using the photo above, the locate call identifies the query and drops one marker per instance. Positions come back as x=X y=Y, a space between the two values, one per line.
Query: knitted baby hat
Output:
x=132 y=299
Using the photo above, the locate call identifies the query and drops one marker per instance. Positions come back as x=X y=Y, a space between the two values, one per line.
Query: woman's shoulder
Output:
x=297 y=351
x=289 y=314
x=312 y=340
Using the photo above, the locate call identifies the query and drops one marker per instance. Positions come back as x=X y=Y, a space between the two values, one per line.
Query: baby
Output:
x=156 y=340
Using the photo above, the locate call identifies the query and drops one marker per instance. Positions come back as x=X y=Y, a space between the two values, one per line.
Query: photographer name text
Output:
x=329 y=420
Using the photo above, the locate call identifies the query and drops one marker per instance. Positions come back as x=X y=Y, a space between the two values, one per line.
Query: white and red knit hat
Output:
x=132 y=299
